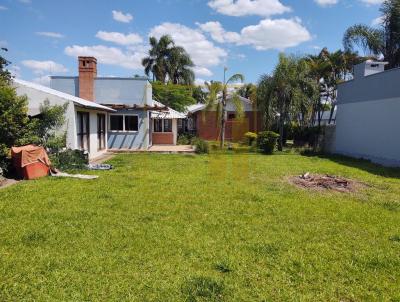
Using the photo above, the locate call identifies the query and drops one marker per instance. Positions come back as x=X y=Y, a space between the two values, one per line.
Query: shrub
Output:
x=250 y=137
x=186 y=139
x=266 y=141
x=201 y=146
x=69 y=159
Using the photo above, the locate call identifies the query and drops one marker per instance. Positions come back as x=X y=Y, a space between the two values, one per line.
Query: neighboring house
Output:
x=138 y=121
x=86 y=121
x=204 y=122
x=326 y=118
x=367 y=121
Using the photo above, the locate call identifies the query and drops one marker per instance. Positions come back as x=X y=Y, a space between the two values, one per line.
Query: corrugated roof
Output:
x=78 y=101
x=169 y=114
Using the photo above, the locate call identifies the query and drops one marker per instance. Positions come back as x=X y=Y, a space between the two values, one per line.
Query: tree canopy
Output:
x=167 y=62
x=383 y=41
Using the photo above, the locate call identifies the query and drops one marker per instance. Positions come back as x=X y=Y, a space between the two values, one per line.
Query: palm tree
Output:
x=168 y=62
x=217 y=99
x=179 y=66
x=383 y=41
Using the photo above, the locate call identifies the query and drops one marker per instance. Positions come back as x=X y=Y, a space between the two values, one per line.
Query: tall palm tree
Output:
x=168 y=62
x=218 y=97
x=179 y=66
x=383 y=41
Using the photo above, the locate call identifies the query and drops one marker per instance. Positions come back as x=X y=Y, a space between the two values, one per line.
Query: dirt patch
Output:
x=326 y=182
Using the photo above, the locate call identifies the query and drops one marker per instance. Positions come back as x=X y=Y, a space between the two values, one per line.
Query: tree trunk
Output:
x=281 y=121
x=222 y=142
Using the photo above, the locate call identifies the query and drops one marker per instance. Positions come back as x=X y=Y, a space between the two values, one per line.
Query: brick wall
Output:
x=208 y=127
x=162 y=138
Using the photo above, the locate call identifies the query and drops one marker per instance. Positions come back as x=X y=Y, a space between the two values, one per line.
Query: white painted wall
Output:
x=370 y=130
x=175 y=130
x=37 y=97
x=93 y=140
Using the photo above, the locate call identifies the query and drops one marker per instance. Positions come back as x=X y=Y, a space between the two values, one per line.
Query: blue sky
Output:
x=44 y=37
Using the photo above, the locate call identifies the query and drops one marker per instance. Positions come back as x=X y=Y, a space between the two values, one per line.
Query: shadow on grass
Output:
x=361 y=164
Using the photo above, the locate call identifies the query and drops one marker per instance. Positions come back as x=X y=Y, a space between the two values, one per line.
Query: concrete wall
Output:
x=370 y=130
x=131 y=140
x=128 y=91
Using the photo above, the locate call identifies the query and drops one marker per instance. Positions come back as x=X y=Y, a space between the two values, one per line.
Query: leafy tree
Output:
x=14 y=121
x=248 y=91
x=168 y=62
x=5 y=75
x=286 y=92
x=383 y=41
x=217 y=99
x=177 y=97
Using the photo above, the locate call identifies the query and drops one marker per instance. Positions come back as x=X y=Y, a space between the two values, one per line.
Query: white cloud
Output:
x=275 y=34
x=325 y=3
x=3 y=7
x=202 y=71
x=129 y=59
x=50 y=34
x=202 y=51
x=119 y=38
x=218 y=33
x=239 y=8
x=25 y=1
x=42 y=80
x=121 y=17
x=40 y=67
x=268 y=34
x=377 y=21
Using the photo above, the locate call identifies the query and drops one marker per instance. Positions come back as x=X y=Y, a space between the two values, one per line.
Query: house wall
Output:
x=128 y=91
x=93 y=128
x=367 y=119
x=37 y=97
x=370 y=130
x=208 y=127
x=131 y=140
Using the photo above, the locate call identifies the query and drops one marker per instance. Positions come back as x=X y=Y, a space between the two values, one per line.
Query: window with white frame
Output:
x=162 y=125
x=124 y=122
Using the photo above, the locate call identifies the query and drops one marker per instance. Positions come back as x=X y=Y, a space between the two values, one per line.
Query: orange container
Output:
x=35 y=170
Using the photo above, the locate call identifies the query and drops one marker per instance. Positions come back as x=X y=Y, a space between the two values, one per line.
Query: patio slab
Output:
x=159 y=149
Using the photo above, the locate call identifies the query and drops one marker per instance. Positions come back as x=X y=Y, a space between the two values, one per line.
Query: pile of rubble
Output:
x=325 y=182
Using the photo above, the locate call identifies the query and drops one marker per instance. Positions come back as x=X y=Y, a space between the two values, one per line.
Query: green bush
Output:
x=266 y=141
x=69 y=160
x=201 y=146
x=305 y=136
x=186 y=139
x=250 y=137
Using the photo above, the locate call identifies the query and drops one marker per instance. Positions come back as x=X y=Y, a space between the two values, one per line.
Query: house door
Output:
x=101 y=132
x=83 y=132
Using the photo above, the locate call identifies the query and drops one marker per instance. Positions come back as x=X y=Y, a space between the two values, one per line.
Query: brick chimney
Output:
x=87 y=74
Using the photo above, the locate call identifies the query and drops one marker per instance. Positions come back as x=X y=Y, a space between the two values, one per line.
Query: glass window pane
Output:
x=167 y=125
x=116 y=123
x=157 y=125
x=131 y=123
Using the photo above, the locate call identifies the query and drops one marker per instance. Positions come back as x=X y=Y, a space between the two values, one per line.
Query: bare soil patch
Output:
x=326 y=182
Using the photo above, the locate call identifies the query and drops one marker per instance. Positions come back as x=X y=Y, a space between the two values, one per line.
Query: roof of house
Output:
x=198 y=107
x=169 y=114
x=76 y=100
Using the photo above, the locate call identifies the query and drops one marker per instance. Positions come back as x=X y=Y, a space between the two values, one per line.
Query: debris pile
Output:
x=325 y=182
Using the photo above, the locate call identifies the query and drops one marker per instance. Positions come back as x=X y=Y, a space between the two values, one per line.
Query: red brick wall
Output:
x=208 y=127
x=163 y=138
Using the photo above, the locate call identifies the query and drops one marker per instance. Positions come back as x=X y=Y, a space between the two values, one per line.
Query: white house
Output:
x=86 y=122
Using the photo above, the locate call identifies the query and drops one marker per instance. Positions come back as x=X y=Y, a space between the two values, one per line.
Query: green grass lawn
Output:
x=223 y=227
